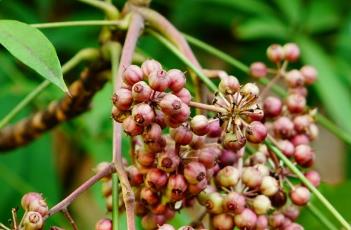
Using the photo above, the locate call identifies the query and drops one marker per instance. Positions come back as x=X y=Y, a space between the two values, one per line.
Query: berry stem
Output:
x=272 y=145
x=108 y=170
x=207 y=107
x=69 y=218
x=121 y=24
x=135 y=28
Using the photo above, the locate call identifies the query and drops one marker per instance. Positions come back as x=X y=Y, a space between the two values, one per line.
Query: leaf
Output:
x=291 y=9
x=32 y=48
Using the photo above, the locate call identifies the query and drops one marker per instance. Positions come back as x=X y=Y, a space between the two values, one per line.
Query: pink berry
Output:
x=227 y=157
x=207 y=157
x=229 y=85
x=214 y=128
x=104 y=224
x=194 y=189
x=313 y=177
x=251 y=177
x=181 y=135
x=301 y=123
x=275 y=53
x=256 y=132
x=176 y=187
x=122 y=99
x=156 y=179
x=168 y=161
x=234 y=202
x=294 y=79
x=228 y=176
x=39 y=206
x=152 y=133
x=300 y=195
x=262 y=223
x=258 y=70
x=291 y=52
x=246 y=219
x=184 y=95
x=304 y=155
x=145 y=158
x=143 y=114
x=158 y=80
x=28 y=198
x=300 y=139
x=141 y=92
x=292 y=212
x=194 y=172
x=276 y=220
x=131 y=127
x=150 y=66
x=132 y=74
x=199 y=125
x=296 y=103
x=272 y=107
x=309 y=73
x=177 y=80
x=283 y=127
x=171 y=104
x=223 y=221
x=286 y=147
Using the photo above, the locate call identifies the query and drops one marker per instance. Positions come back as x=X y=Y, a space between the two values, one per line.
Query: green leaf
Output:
x=32 y=48
x=291 y=9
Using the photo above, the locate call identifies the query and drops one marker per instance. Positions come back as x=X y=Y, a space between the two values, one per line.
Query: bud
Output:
x=313 y=177
x=104 y=224
x=269 y=186
x=233 y=142
x=168 y=161
x=294 y=79
x=131 y=127
x=256 y=132
x=177 y=80
x=132 y=74
x=150 y=66
x=250 y=89
x=122 y=99
x=33 y=221
x=309 y=74
x=275 y=53
x=134 y=176
x=233 y=202
x=251 y=177
x=214 y=128
x=199 y=125
x=152 y=133
x=229 y=85
x=141 y=92
x=246 y=219
x=148 y=196
x=300 y=195
x=291 y=52
x=223 y=221
x=156 y=179
x=296 y=103
x=258 y=70
x=176 y=187
x=214 y=203
x=158 y=80
x=228 y=176
x=184 y=95
x=304 y=155
x=272 y=107
x=261 y=204
x=194 y=172
x=28 y=198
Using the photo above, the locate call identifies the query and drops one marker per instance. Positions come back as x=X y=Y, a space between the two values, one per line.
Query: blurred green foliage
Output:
x=242 y=28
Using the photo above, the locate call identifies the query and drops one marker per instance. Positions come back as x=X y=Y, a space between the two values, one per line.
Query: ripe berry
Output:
x=272 y=107
x=228 y=176
x=156 y=179
x=143 y=114
x=313 y=177
x=122 y=99
x=176 y=187
x=132 y=74
x=184 y=95
x=207 y=157
x=214 y=128
x=261 y=204
x=286 y=147
x=300 y=195
x=199 y=125
x=181 y=135
x=150 y=66
x=134 y=176
x=258 y=70
x=276 y=220
x=141 y=92
x=296 y=103
x=104 y=224
x=275 y=53
x=304 y=155
x=194 y=172
x=278 y=199
x=283 y=127
x=309 y=73
x=291 y=52
x=149 y=196
x=171 y=104
x=131 y=127
x=256 y=132
x=292 y=212
x=168 y=161
x=177 y=80
x=227 y=157
x=234 y=202
x=158 y=80
x=145 y=157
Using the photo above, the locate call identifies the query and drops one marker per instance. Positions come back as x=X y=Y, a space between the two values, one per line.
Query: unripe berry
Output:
x=176 y=187
x=152 y=133
x=181 y=135
x=269 y=186
x=166 y=227
x=158 y=80
x=263 y=169
x=194 y=172
x=251 y=177
x=258 y=158
x=28 y=198
x=296 y=103
x=283 y=127
x=150 y=66
x=250 y=89
x=177 y=79
x=39 y=206
x=214 y=128
x=272 y=107
x=309 y=73
x=233 y=202
x=256 y=132
x=294 y=79
x=258 y=70
x=149 y=196
x=104 y=224
x=291 y=52
x=228 y=176
x=199 y=125
x=312 y=131
x=261 y=223
x=304 y=155
x=313 y=177
x=233 y=142
x=223 y=221
x=300 y=195
x=214 y=203
x=261 y=204
x=171 y=104
x=141 y=92
x=194 y=189
x=131 y=127
x=132 y=74
x=278 y=199
x=275 y=53
x=229 y=85
x=246 y=219
x=156 y=179
x=168 y=162
x=33 y=221
x=107 y=188
x=134 y=176
x=286 y=147
x=184 y=95
x=122 y=99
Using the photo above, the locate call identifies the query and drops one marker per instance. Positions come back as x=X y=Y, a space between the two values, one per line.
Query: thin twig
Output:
x=69 y=218
x=14 y=218
x=211 y=108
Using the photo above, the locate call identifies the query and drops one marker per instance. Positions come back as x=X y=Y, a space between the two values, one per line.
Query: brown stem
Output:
x=135 y=28
x=82 y=91
x=108 y=170
x=14 y=218
x=70 y=219
x=212 y=108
